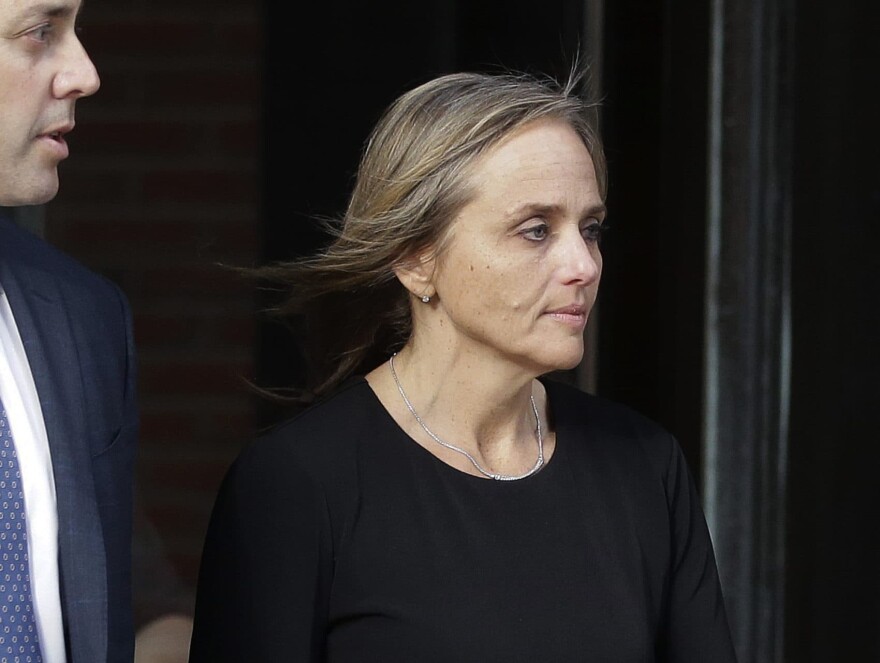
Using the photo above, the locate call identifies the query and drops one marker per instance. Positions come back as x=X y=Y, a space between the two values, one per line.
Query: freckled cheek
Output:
x=500 y=291
x=512 y=298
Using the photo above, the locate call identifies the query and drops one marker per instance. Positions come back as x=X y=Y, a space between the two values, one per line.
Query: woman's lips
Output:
x=574 y=315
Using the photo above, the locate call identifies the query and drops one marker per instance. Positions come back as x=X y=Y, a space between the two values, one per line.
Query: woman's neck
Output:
x=473 y=400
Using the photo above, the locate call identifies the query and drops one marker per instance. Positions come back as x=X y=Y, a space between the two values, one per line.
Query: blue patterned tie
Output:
x=18 y=630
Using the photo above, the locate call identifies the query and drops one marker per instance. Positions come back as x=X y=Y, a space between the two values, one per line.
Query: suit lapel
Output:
x=36 y=301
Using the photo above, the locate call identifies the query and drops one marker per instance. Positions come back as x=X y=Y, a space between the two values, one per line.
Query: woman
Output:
x=443 y=500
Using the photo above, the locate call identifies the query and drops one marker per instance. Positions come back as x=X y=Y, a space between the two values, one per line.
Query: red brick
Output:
x=231 y=426
x=181 y=518
x=139 y=37
x=243 y=37
x=200 y=280
x=199 y=185
x=194 y=377
x=239 y=331
x=161 y=425
x=78 y=185
x=145 y=138
x=204 y=476
x=238 y=138
x=164 y=182
x=164 y=331
x=239 y=88
x=160 y=233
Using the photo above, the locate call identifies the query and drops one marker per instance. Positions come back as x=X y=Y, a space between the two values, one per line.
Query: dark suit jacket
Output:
x=76 y=330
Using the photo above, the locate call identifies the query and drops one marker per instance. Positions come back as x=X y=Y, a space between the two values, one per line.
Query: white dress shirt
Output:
x=19 y=396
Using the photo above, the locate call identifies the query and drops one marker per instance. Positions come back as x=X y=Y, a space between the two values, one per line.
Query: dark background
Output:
x=223 y=128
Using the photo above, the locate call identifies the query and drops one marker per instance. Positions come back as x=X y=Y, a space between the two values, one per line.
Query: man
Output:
x=68 y=418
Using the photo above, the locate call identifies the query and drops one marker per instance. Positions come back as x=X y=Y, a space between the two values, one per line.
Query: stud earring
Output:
x=426 y=298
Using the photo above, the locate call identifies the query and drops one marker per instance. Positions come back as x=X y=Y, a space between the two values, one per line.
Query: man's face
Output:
x=43 y=71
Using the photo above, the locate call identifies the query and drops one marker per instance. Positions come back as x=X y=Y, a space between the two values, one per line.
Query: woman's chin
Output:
x=561 y=360
x=571 y=363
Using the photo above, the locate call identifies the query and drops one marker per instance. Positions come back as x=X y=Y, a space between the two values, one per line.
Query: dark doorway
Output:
x=834 y=542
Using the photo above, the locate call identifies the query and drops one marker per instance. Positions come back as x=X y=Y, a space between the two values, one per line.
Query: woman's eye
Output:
x=536 y=233
x=593 y=232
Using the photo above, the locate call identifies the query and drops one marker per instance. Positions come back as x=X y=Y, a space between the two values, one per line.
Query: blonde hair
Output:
x=412 y=180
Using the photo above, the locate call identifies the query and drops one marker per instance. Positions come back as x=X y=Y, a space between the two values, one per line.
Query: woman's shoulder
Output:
x=303 y=473
x=603 y=424
x=572 y=405
x=323 y=435
x=344 y=407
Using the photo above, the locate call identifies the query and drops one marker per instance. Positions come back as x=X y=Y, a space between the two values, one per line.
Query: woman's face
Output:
x=521 y=270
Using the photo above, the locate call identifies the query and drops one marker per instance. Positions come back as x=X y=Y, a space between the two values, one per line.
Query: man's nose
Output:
x=77 y=77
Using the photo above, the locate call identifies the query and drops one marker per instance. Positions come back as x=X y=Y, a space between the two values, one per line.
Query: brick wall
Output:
x=162 y=186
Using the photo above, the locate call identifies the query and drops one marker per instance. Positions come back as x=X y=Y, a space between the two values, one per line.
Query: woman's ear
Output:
x=416 y=273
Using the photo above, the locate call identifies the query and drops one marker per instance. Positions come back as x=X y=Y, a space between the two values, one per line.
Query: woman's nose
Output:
x=582 y=261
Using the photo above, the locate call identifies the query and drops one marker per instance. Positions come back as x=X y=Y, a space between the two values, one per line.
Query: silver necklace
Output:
x=480 y=469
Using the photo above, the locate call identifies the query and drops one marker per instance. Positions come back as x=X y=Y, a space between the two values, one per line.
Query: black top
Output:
x=339 y=538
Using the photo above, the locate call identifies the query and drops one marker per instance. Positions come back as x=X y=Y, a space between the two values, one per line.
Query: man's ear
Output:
x=416 y=273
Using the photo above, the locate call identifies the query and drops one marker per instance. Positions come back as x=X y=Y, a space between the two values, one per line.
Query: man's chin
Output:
x=29 y=193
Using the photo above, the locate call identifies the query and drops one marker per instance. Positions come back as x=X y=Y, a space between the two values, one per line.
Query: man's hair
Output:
x=414 y=177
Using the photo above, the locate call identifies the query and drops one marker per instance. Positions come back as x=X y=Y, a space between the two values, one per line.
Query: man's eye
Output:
x=41 y=33
x=536 y=233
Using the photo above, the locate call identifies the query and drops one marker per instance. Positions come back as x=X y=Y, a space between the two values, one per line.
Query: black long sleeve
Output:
x=337 y=538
